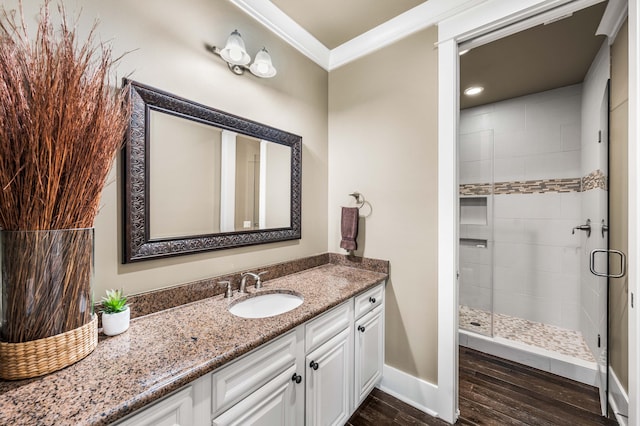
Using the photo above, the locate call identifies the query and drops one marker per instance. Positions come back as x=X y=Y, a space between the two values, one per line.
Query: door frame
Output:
x=483 y=19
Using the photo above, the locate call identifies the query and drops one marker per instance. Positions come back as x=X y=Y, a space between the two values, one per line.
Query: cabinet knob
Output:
x=314 y=365
x=361 y=328
x=372 y=299
x=296 y=378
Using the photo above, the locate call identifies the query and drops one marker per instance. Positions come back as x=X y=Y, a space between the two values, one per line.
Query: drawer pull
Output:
x=361 y=328
x=296 y=378
x=314 y=365
x=372 y=299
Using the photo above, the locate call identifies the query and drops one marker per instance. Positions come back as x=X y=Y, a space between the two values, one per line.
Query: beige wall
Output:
x=618 y=205
x=184 y=154
x=167 y=40
x=383 y=143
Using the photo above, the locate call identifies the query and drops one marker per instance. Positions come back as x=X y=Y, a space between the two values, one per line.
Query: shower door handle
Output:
x=623 y=263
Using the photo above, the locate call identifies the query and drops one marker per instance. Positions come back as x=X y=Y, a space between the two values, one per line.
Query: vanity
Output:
x=316 y=374
x=199 y=364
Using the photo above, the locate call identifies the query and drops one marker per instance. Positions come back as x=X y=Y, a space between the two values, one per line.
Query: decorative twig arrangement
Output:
x=47 y=283
x=61 y=126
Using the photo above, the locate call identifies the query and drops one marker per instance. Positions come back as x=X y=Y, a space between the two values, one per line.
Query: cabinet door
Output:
x=240 y=379
x=329 y=376
x=274 y=404
x=369 y=353
x=174 y=410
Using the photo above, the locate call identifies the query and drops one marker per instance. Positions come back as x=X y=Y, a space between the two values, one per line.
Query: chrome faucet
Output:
x=256 y=277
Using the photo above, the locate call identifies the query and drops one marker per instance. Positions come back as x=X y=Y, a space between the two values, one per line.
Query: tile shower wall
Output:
x=529 y=148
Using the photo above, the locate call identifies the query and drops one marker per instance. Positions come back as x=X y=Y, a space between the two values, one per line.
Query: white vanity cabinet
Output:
x=316 y=375
x=174 y=410
x=262 y=388
x=329 y=367
x=368 y=342
x=273 y=404
x=369 y=353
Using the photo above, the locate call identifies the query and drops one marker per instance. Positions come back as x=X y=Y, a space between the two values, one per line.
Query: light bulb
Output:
x=473 y=90
x=235 y=54
x=263 y=68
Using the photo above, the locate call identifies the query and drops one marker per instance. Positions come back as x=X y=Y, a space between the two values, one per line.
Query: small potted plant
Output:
x=115 y=313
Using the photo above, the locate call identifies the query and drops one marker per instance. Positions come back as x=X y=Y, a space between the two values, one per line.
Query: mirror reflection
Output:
x=214 y=180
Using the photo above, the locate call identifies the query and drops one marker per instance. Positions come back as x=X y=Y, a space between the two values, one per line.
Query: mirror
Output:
x=198 y=179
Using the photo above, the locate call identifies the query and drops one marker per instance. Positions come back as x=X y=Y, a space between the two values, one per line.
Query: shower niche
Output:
x=473 y=211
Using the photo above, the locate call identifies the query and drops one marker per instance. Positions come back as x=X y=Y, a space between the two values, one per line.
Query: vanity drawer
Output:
x=236 y=381
x=176 y=409
x=327 y=325
x=369 y=299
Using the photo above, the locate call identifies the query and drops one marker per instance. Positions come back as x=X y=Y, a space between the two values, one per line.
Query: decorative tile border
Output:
x=475 y=189
x=593 y=180
x=538 y=186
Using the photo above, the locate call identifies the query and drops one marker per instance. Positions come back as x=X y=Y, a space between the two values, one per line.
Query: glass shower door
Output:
x=596 y=205
x=476 y=232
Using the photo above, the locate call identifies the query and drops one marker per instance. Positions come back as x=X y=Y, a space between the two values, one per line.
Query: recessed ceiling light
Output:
x=473 y=90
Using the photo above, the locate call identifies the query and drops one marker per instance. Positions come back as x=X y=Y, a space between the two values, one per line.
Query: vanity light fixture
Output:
x=235 y=55
x=473 y=90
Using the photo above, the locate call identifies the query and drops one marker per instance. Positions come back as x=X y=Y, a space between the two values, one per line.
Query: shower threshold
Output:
x=546 y=347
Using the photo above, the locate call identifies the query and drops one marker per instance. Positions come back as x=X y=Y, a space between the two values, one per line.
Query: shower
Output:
x=533 y=197
x=522 y=190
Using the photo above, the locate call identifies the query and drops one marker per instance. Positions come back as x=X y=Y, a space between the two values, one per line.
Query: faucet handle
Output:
x=259 y=279
x=229 y=291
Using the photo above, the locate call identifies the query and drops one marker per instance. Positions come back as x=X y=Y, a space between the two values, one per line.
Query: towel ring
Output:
x=359 y=199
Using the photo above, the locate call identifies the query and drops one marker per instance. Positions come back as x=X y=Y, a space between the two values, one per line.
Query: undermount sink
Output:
x=265 y=305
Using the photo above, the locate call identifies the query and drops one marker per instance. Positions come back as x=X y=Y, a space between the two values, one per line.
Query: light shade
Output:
x=262 y=66
x=234 y=51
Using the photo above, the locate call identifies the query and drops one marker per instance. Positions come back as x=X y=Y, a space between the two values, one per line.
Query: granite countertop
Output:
x=164 y=351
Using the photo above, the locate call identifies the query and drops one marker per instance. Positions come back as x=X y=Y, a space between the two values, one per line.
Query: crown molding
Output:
x=286 y=28
x=420 y=17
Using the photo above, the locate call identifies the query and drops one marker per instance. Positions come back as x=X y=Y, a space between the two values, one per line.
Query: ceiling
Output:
x=334 y=22
x=541 y=58
x=335 y=32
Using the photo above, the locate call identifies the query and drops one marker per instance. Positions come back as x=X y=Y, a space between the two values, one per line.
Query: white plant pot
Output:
x=113 y=324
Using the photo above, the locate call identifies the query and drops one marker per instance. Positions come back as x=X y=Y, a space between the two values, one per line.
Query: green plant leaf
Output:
x=114 y=302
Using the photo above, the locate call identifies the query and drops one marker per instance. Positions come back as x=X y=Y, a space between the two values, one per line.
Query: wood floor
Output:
x=494 y=391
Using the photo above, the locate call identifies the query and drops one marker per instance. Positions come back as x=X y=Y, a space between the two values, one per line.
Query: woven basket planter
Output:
x=47 y=318
x=39 y=357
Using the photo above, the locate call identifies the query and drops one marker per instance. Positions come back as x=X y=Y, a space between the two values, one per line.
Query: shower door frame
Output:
x=492 y=17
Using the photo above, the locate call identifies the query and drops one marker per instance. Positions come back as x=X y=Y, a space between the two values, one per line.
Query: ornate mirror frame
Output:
x=137 y=242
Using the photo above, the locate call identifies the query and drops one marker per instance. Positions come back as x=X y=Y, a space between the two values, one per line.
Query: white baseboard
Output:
x=414 y=391
x=618 y=399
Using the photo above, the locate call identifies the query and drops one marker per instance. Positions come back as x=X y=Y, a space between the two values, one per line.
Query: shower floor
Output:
x=549 y=337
